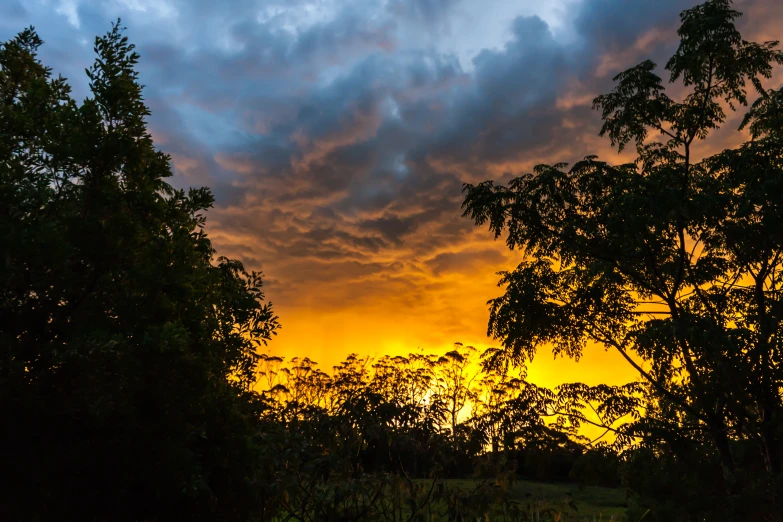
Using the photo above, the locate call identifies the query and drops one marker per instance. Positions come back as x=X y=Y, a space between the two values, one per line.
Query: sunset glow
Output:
x=337 y=134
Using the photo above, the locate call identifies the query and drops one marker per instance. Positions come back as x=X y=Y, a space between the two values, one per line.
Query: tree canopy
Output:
x=133 y=384
x=673 y=261
x=128 y=349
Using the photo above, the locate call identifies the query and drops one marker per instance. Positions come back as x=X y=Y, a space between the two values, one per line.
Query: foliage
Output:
x=376 y=439
x=134 y=388
x=128 y=350
x=131 y=363
x=673 y=261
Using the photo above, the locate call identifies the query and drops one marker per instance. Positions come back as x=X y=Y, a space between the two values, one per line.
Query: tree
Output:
x=127 y=351
x=454 y=377
x=366 y=442
x=674 y=261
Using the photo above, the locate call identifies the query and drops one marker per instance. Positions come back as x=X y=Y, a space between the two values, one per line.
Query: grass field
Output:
x=590 y=503
x=522 y=501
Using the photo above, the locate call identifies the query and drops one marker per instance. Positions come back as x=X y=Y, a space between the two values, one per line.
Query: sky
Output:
x=337 y=134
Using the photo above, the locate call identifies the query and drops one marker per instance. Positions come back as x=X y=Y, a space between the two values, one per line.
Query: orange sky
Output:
x=336 y=136
x=425 y=283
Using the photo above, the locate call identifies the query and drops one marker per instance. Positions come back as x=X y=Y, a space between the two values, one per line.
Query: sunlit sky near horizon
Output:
x=337 y=134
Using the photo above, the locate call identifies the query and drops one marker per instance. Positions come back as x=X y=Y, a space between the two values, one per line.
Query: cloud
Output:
x=509 y=106
x=390 y=227
x=613 y=25
x=429 y=11
x=13 y=11
x=337 y=134
x=464 y=262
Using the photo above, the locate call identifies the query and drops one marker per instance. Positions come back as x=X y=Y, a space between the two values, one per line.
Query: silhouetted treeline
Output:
x=421 y=413
x=416 y=421
x=130 y=352
x=133 y=385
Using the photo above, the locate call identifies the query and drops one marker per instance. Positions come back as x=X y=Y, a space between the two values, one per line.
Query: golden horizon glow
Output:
x=337 y=154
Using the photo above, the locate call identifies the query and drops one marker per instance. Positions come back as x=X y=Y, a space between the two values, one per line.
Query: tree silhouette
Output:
x=454 y=377
x=128 y=350
x=133 y=385
x=673 y=261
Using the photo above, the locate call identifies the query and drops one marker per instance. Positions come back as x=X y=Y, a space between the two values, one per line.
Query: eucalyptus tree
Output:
x=455 y=374
x=673 y=261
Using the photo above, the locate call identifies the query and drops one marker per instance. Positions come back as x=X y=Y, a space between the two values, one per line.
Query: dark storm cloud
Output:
x=390 y=227
x=337 y=142
x=510 y=105
x=424 y=10
x=612 y=24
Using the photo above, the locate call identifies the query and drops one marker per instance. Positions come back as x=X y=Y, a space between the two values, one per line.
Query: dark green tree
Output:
x=674 y=260
x=127 y=350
